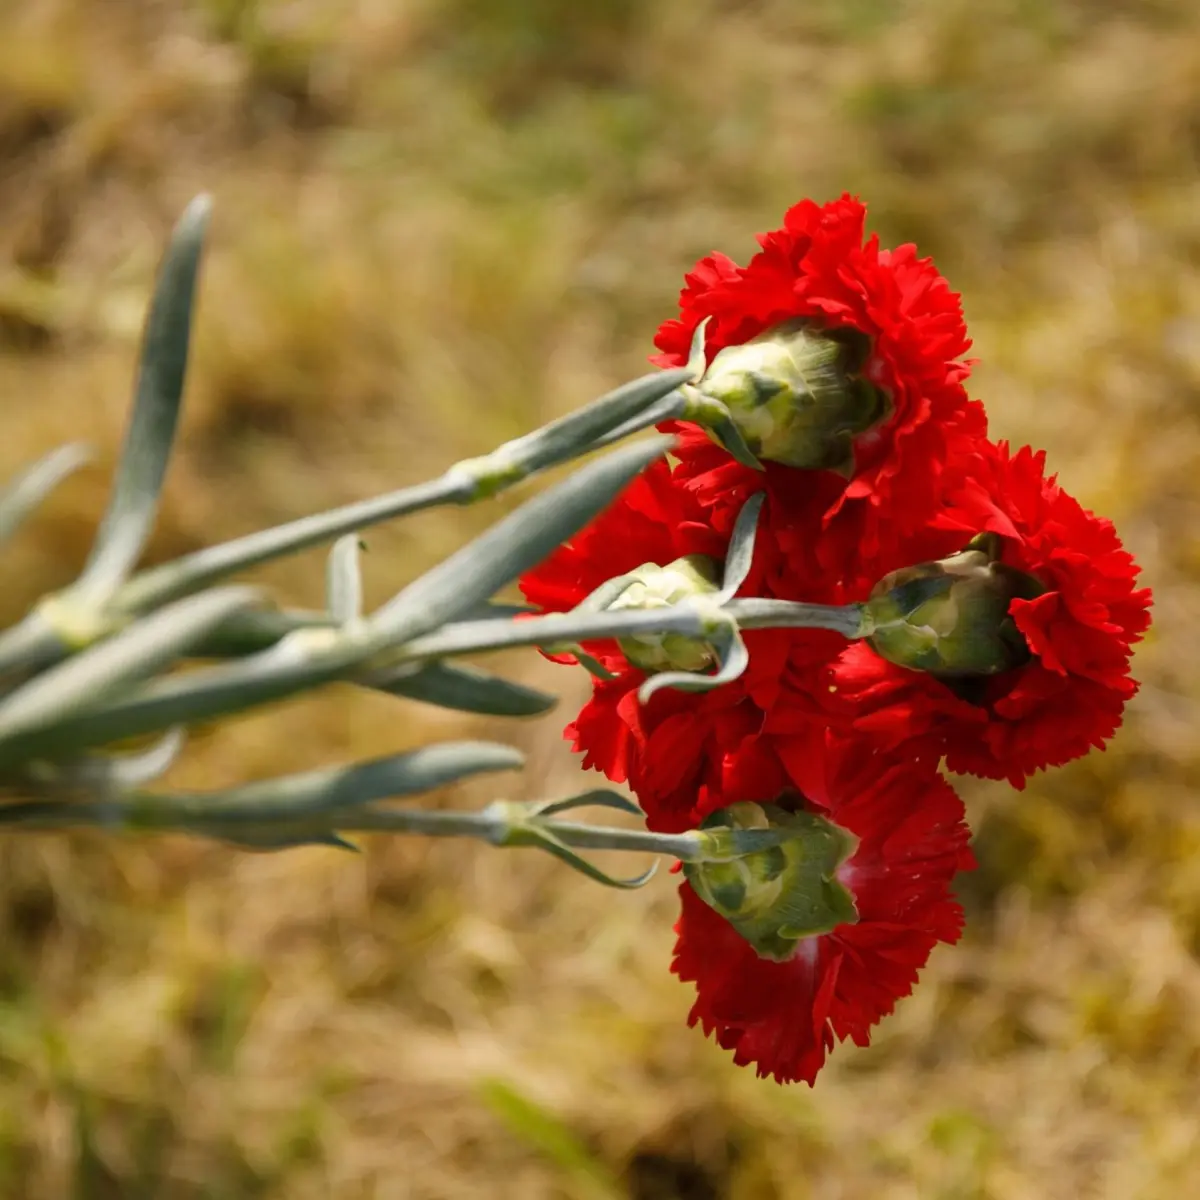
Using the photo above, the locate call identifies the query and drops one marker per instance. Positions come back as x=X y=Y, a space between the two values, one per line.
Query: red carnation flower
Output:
x=819 y=267
x=784 y=1017
x=1071 y=695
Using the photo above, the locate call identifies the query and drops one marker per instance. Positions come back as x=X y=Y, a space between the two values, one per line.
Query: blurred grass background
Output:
x=440 y=222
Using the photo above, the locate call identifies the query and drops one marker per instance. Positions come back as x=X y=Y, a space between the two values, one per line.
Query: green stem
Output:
x=472 y=637
x=466 y=482
x=684 y=846
x=491 y=826
x=182 y=813
x=194 y=571
x=846 y=619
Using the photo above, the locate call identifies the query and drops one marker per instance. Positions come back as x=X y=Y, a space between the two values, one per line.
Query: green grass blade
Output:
x=539 y=1129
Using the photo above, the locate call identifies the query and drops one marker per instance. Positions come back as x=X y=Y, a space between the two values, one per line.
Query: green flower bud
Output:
x=796 y=396
x=775 y=898
x=652 y=586
x=950 y=617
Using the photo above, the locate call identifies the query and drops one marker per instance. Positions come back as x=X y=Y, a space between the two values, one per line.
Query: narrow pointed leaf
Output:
x=593 y=666
x=544 y=840
x=158 y=396
x=343 y=580
x=24 y=493
x=29 y=644
x=463 y=688
x=734 y=659
x=578 y=432
x=292 y=666
x=597 y=798
x=489 y=608
x=136 y=770
x=741 y=549
x=268 y=842
x=607 y=593
x=256 y=629
x=287 y=669
x=512 y=546
x=107 y=774
x=331 y=790
x=697 y=353
x=135 y=653
x=671 y=407
x=131 y=815
x=731 y=438
x=284 y=670
x=280 y=811
x=123 y=772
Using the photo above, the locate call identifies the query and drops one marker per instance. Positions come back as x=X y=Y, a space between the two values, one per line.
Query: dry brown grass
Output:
x=439 y=222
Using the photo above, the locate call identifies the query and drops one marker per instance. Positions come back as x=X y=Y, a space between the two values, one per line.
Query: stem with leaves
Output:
x=96 y=665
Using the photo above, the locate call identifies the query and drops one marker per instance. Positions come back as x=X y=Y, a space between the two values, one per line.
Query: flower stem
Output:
x=580 y=432
x=684 y=846
x=499 y=824
x=846 y=619
x=471 y=637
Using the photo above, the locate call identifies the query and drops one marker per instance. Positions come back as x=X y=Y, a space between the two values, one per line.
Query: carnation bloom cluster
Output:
x=998 y=617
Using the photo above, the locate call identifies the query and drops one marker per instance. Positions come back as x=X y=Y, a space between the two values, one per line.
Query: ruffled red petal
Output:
x=683 y=755
x=784 y=1018
x=819 y=266
x=1081 y=631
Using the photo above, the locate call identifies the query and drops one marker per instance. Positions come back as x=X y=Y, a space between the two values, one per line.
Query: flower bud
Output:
x=651 y=586
x=777 y=897
x=796 y=396
x=951 y=617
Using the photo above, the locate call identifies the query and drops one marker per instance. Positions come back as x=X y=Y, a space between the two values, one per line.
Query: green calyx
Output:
x=651 y=586
x=779 y=896
x=951 y=617
x=796 y=395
